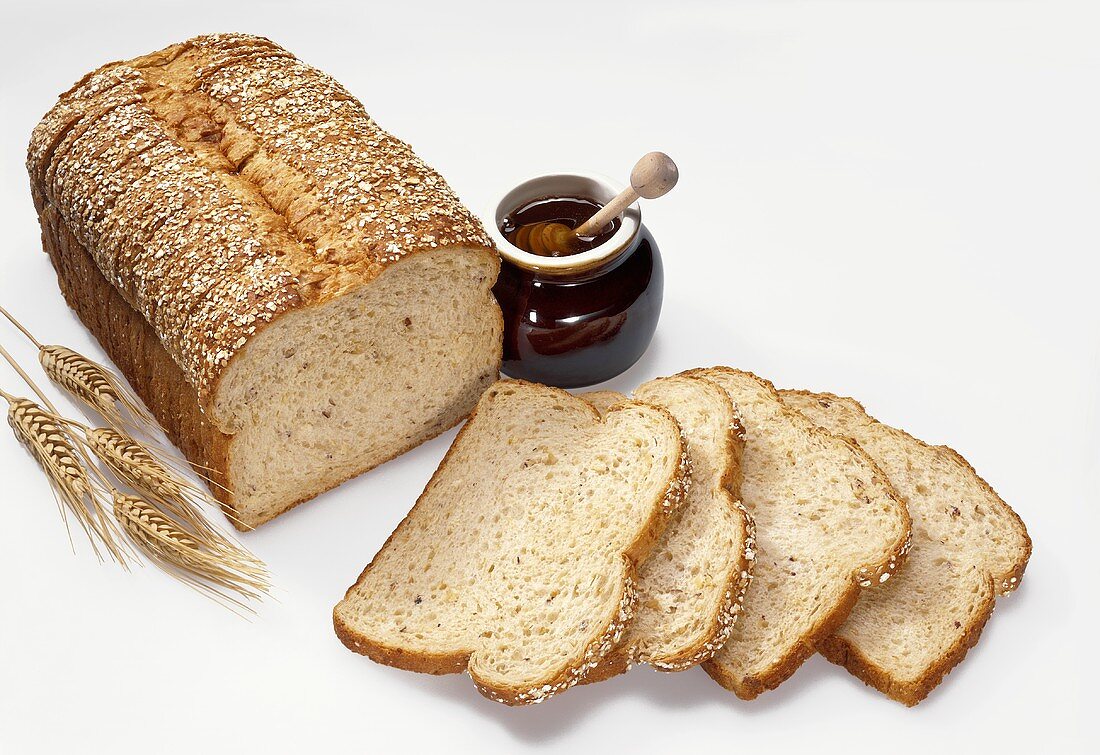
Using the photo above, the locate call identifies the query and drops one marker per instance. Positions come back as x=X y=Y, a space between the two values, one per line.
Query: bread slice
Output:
x=827 y=524
x=517 y=562
x=968 y=547
x=691 y=587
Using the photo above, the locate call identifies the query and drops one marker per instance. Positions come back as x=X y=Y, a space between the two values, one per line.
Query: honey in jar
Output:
x=569 y=212
x=580 y=316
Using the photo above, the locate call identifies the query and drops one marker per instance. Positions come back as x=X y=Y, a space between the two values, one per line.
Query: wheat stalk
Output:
x=43 y=435
x=182 y=554
x=95 y=386
x=176 y=536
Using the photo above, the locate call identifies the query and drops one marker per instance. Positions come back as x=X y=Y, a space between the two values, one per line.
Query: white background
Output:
x=892 y=200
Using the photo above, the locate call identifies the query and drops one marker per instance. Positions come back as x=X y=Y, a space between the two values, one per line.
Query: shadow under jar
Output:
x=583 y=318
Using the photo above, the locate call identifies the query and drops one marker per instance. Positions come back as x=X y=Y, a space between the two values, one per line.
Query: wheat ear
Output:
x=43 y=434
x=182 y=554
x=89 y=382
x=133 y=463
x=94 y=385
x=100 y=389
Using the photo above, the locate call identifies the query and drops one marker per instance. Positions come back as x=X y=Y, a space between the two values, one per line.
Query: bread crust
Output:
x=137 y=352
x=843 y=653
x=910 y=692
x=866 y=576
x=598 y=648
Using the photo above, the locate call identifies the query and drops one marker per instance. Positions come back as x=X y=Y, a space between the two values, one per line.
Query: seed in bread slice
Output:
x=828 y=523
x=691 y=587
x=517 y=562
x=968 y=546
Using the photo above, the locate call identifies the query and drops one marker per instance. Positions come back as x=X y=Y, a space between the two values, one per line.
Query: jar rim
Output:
x=564 y=184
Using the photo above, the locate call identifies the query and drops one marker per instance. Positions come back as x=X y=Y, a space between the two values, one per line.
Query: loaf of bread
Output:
x=294 y=294
x=518 y=561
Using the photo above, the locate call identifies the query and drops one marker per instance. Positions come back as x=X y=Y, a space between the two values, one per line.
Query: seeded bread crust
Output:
x=603 y=640
x=840 y=651
x=866 y=576
x=136 y=350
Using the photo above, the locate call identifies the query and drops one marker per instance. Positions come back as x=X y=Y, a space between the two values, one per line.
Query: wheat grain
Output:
x=79 y=377
x=132 y=463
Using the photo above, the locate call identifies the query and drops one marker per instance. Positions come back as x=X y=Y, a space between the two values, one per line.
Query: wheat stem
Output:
x=19 y=325
x=27 y=379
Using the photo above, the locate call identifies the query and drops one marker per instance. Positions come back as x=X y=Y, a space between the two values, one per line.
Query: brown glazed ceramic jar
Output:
x=583 y=318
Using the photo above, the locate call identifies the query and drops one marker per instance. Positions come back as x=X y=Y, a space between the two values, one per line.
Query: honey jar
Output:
x=583 y=317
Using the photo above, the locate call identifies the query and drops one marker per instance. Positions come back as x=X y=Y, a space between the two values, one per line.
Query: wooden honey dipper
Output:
x=653 y=176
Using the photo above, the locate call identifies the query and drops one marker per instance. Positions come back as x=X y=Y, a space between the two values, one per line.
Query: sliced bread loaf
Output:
x=828 y=523
x=691 y=587
x=517 y=562
x=968 y=547
x=295 y=295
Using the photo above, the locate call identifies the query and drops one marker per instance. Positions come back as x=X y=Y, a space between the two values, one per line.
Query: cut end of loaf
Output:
x=326 y=393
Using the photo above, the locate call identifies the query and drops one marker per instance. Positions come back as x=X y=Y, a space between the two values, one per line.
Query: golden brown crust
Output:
x=137 y=352
x=220 y=183
x=866 y=576
x=589 y=659
x=910 y=692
